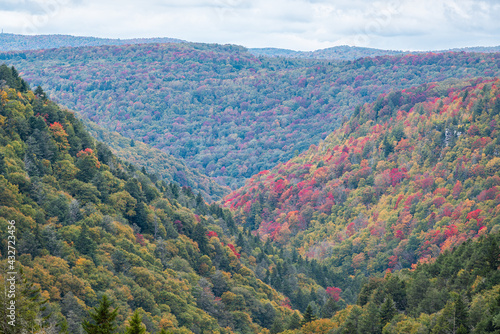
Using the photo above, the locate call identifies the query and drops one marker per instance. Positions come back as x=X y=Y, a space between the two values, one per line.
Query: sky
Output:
x=292 y=24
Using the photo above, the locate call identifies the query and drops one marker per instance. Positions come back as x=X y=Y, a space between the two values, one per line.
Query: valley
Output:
x=206 y=188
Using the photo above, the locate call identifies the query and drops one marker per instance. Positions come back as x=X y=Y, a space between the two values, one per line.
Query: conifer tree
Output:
x=28 y=305
x=135 y=324
x=101 y=318
x=387 y=311
x=308 y=315
x=84 y=244
x=294 y=322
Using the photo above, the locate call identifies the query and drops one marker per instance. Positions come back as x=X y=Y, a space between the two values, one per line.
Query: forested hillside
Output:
x=410 y=176
x=158 y=162
x=406 y=192
x=345 y=52
x=457 y=293
x=88 y=225
x=15 y=42
x=224 y=111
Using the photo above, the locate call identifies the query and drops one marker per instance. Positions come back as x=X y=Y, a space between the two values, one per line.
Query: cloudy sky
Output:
x=291 y=24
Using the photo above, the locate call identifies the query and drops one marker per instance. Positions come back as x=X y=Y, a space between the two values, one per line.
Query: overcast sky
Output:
x=291 y=24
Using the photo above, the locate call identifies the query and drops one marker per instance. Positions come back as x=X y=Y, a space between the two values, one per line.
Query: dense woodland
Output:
x=221 y=109
x=159 y=163
x=15 y=42
x=408 y=177
x=89 y=225
x=387 y=225
x=345 y=52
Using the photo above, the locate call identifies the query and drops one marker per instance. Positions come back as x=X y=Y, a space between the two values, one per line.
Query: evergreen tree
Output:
x=135 y=325
x=294 y=321
x=387 y=311
x=28 y=305
x=352 y=322
x=370 y=320
x=3 y=166
x=200 y=236
x=84 y=244
x=40 y=93
x=308 y=315
x=329 y=309
x=277 y=326
x=101 y=319
x=461 y=314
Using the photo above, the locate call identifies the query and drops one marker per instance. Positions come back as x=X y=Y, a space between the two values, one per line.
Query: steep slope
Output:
x=223 y=110
x=15 y=42
x=409 y=176
x=458 y=293
x=158 y=162
x=88 y=224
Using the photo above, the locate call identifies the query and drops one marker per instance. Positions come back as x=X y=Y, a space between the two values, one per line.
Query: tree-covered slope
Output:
x=459 y=292
x=157 y=162
x=226 y=112
x=88 y=224
x=342 y=52
x=15 y=42
x=345 y=52
x=409 y=176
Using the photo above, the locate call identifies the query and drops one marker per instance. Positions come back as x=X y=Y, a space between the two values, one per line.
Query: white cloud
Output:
x=293 y=24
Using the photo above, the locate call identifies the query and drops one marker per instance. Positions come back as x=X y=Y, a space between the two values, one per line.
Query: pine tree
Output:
x=461 y=313
x=387 y=311
x=294 y=322
x=28 y=305
x=277 y=326
x=200 y=236
x=101 y=318
x=40 y=93
x=135 y=325
x=308 y=315
x=370 y=320
x=84 y=244
x=329 y=309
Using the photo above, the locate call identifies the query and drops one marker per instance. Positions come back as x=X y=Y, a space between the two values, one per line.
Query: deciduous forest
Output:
x=365 y=194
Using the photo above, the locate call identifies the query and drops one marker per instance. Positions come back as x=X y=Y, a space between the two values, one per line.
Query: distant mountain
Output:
x=345 y=52
x=226 y=112
x=14 y=42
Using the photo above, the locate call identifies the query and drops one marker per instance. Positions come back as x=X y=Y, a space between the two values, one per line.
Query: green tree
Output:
x=387 y=311
x=329 y=309
x=370 y=320
x=308 y=315
x=84 y=244
x=135 y=325
x=294 y=321
x=101 y=318
x=200 y=236
x=28 y=305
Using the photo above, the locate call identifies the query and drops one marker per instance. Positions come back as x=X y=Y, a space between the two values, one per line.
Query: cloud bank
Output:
x=292 y=24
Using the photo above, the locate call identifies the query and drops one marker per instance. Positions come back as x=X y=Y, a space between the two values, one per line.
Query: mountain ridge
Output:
x=346 y=52
x=17 y=42
x=221 y=109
